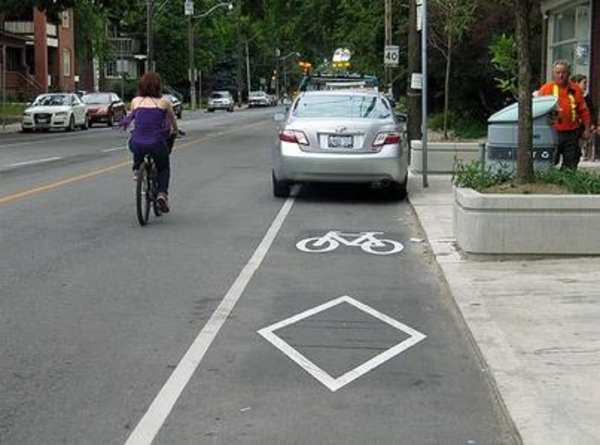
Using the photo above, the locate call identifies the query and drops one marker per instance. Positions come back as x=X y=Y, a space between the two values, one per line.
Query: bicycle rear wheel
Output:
x=142 y=195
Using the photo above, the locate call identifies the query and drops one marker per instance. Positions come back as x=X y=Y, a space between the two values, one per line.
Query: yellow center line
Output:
x=54 y=185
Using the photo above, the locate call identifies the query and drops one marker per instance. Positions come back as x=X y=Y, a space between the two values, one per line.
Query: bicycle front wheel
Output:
x=142 y=195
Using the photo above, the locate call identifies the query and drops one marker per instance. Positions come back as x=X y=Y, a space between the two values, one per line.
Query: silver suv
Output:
x=341 y=136
x=220 y=100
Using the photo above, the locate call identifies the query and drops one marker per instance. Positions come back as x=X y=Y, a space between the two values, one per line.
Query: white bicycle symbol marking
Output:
x=367 y=241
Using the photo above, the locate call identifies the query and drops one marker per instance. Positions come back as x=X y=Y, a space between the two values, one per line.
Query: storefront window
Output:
x=571 y=37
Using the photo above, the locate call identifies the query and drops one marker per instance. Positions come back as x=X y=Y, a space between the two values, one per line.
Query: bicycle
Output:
x=146 y=189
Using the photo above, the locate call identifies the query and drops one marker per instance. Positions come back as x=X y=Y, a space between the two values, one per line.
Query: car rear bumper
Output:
x=293 y=164
x=220 y=106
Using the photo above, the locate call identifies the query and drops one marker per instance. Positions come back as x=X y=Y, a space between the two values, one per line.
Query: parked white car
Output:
x=220 y=100
x=56 y=110
x=259 y=99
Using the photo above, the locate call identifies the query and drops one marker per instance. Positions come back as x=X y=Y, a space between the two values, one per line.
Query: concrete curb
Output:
x=526 y=224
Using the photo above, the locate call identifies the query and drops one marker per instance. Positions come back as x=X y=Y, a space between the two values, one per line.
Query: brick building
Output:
x=40 y=53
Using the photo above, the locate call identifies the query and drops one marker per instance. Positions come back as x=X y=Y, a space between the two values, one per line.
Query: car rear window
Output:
x=96 y=99
x=342 y=106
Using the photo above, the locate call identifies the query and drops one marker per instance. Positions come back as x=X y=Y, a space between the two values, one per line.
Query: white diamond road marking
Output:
x=330 y=382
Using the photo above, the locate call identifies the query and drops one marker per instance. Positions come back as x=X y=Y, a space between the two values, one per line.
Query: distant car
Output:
x=220 y=100
x=259 y=99
x=105 y=108
x=176 y=103
x=341 y=136
x=56 y=110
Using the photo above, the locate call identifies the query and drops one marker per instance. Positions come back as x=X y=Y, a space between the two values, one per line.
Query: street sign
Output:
x=416 y=81
x=419 y=15
x=391 y=55
x=189 y=7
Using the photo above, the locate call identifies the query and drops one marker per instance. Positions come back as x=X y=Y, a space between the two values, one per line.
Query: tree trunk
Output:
x=447 y=86
x=413 y=97
x=524 y=150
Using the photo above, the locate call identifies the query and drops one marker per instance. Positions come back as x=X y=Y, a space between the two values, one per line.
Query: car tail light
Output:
x=295 y=136
x=386 y=139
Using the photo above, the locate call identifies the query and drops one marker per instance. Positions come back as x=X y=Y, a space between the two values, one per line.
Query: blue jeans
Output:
x=160 y=153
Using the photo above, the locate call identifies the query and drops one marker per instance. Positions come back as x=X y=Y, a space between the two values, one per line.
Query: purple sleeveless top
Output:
x=151 y=126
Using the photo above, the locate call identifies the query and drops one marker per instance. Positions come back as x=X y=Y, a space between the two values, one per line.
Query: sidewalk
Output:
x=10 y=128
x=536 y=322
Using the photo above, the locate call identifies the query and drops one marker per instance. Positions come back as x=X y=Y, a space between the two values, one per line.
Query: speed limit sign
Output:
x=391 y=55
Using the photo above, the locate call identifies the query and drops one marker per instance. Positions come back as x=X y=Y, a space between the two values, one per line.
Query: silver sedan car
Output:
x=341 y=136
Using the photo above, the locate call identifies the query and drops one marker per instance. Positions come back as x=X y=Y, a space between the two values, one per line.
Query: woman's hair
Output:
x=150 y=85
x=578 y=78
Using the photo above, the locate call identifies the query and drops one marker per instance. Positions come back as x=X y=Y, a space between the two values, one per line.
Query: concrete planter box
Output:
x=526 y=224
x=442 y=156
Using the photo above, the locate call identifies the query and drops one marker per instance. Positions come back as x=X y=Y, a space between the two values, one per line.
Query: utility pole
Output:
x=191 y=63
x=3 y=87
x=388 y=38
x=277 y=56
x=248 y=80
x=413 y=96
x=150 y=50
x=424 y=91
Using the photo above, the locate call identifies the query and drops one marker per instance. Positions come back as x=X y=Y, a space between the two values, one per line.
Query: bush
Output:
x=463 y=125
x=474 y=176
x=579 y=182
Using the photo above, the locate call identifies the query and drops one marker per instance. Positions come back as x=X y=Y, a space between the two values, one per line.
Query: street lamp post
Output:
x=189 y=12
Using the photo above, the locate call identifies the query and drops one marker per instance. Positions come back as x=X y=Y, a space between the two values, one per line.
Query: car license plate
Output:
x=43 y=120
x=340 y=141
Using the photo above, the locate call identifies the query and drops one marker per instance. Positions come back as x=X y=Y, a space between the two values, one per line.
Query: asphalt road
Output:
x=210 y=325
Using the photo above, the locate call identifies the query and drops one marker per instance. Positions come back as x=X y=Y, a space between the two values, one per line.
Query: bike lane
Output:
x=342 y=347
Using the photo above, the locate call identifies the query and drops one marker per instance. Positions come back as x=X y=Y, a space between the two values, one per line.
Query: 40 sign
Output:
x=391 y=55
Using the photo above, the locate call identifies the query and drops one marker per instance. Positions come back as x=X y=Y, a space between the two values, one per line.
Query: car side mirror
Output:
x=279 y=117
x=401 y=117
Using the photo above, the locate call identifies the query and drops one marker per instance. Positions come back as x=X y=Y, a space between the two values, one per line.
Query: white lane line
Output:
x=35 y=161
x=148 y=427
x=108 y=150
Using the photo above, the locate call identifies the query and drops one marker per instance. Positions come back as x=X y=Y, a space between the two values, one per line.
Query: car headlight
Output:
x=61 y=114
x=27 y=114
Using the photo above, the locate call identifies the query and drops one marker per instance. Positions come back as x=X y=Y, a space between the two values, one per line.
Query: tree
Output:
x=523 y=9
x=504 y=58
x=450 y=19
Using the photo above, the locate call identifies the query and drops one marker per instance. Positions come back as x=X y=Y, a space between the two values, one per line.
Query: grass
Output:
x=551 y=181
x=12 y=109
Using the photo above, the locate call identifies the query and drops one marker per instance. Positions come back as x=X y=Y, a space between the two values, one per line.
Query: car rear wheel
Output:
x=281 y=189
x=398 y=190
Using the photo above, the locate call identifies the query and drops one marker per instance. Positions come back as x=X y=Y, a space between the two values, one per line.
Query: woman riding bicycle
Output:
x=154 y=132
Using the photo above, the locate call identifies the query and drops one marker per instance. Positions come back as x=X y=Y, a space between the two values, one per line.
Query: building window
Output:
x=66 y=62
x=65 y=19
x=570 y=37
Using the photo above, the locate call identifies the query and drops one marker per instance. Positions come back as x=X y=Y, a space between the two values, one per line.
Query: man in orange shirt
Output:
x=572 y=113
